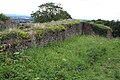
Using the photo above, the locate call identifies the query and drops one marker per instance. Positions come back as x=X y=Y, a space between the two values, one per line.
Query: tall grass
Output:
x=76 y=58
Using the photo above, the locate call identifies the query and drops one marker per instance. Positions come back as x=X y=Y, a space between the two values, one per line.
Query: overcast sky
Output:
x=79 y=9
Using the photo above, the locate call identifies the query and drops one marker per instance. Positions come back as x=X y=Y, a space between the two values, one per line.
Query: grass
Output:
x=76 y=58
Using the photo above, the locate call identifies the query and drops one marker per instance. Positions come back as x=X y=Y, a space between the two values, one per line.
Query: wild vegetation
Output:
x=40 y=34
x=3 y=17
x=76 y=58
x=81 y=57
x=99 y=29
x=115 y=25
x=23 y=32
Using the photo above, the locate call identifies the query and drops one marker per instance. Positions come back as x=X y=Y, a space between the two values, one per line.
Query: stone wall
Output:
x=96 y=29
x=50 y=36
x=7 y=24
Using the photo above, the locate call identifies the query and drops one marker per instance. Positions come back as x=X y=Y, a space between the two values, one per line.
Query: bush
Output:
x=39 y=33
x=70 y=24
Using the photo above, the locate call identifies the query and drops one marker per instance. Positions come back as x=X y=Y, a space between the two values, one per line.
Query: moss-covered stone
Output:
x=100 y=29
x=41 y=34
x=100 y=26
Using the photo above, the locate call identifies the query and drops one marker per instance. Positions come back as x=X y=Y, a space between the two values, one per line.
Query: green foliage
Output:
x=51 y=27
x=19 y=34
x=3 y=17
x=13 y=34
x=77 y=21
x=61 y=28
x=100 y=29
x=70 y=24
x=50 y=11
x=56 y=27
x=100 y=25
x=39 y=33
x=22 y=34
x=117 y=75
x=94 y=54
x=115 y=25
x=76 y=58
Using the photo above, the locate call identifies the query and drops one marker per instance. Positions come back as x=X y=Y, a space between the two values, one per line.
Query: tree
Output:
x=3 y=17
x=50 y=11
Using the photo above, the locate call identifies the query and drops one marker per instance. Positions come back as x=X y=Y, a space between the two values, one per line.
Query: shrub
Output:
x=70 y=24
x=60 y=28
x=39 y=33
x=51 y=27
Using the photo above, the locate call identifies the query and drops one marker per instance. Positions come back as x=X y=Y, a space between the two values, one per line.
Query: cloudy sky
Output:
x=79 y=9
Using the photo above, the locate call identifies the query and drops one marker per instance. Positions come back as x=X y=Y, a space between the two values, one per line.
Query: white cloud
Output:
x=86 y=9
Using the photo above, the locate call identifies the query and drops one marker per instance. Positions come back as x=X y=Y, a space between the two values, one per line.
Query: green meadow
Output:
x=76 y=58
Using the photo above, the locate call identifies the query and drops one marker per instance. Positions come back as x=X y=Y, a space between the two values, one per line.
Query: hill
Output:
x=76 y=58
x=20 y=18
x=17 y=16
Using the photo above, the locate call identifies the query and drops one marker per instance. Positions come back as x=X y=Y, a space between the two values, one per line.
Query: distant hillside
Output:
x=17 y=16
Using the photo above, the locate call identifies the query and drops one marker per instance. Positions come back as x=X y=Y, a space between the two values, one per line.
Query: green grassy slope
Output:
x=77 y=58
